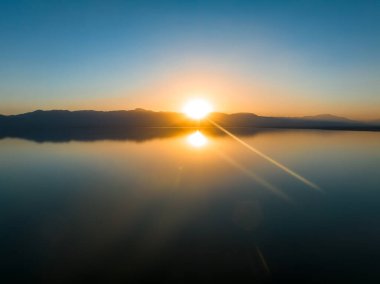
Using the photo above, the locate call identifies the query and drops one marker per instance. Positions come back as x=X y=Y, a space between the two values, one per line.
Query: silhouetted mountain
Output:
x=61 y=120
x=375 y=122
x=327 y=117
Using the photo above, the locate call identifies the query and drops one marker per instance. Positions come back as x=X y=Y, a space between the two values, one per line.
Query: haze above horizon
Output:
x=271 y=58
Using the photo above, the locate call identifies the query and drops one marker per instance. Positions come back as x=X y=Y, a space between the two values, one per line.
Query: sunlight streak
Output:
x=253 y=176
x=269 y=159
x=262 y=259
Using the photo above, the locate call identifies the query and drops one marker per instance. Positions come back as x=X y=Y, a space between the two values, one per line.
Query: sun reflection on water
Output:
x=197 y=139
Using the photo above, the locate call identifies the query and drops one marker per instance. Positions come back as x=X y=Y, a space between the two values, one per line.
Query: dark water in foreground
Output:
x=192 y=208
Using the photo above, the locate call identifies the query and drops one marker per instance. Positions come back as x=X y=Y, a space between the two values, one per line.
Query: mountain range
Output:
x=56 y=119
x=141 y=125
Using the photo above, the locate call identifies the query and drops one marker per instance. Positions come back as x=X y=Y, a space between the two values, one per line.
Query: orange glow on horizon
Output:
x=228 y=93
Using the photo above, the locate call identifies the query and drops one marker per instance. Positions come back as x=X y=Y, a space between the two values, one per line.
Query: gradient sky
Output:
x=288 y=58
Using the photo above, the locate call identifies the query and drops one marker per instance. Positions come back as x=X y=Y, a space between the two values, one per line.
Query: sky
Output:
x=282 y=58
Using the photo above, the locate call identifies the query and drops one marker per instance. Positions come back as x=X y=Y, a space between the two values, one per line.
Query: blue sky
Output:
x=272 y=57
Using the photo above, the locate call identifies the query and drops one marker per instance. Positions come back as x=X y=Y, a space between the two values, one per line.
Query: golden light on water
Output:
x=197 y=108
x=197 y=139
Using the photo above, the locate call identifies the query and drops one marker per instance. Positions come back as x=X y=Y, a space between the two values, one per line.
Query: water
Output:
x=190 y=207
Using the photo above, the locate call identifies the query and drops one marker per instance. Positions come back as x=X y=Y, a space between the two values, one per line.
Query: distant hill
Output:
x=376 y=121
x=327 y=117
x=59 y=119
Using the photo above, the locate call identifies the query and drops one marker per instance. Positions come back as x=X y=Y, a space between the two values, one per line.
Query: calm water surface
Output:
x=192 y=208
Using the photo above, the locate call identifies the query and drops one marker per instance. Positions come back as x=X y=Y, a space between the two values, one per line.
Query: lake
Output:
x=191 y=207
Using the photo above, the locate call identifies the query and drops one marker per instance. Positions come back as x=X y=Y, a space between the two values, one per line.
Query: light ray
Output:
x=263 y=261
x=266 y=157
x=253 y=176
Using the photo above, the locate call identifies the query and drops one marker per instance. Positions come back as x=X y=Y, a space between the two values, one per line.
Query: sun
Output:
x=197 y=108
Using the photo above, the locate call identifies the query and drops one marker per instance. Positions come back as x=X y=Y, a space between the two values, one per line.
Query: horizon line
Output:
x=214 y=112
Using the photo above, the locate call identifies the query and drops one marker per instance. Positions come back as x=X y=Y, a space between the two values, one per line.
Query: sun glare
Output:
x=197 y=139
x=197 y=109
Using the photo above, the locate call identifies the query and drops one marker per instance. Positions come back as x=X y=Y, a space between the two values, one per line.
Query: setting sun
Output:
x=197 y=108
